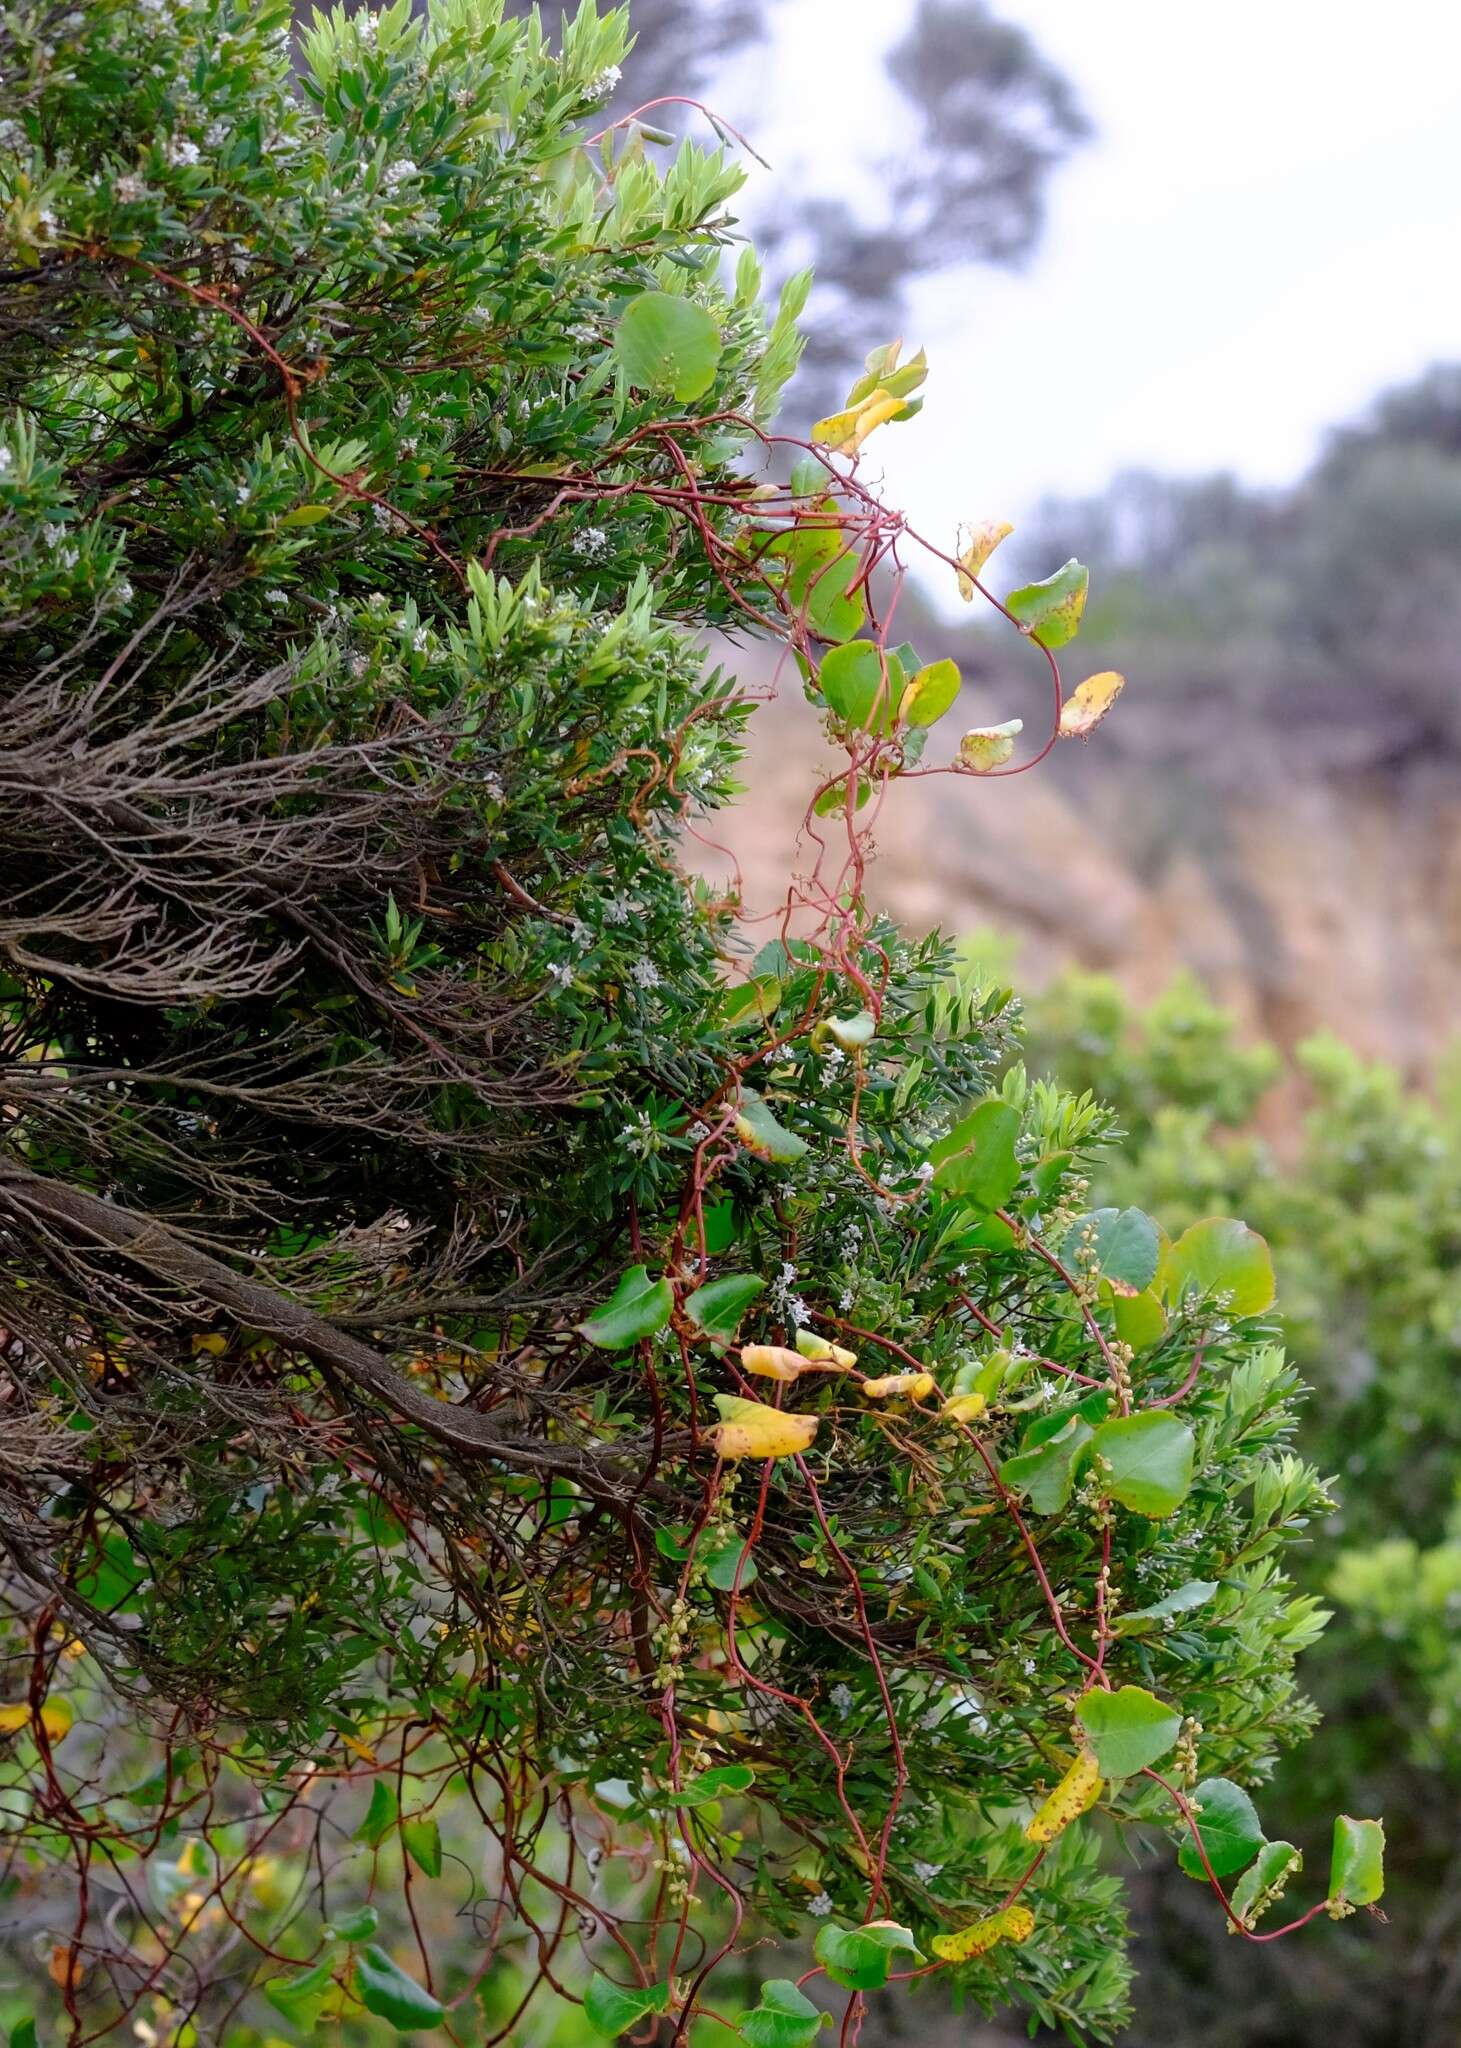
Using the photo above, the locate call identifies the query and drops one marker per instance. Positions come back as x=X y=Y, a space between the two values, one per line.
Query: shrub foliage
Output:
x=551 y=1434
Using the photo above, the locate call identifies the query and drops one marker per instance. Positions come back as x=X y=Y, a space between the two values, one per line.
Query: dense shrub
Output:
x=412 y=1184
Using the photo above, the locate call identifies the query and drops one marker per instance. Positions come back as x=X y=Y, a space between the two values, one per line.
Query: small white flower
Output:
x=602 y=88
x=6 y=458
x=925 y=1172
x=129 y=187
x=562 y=972
x=618 y=910
x=645 y=973
x=580 y=934
x=591 y=542
x=181 y=152
x=1028 y=1667
x=242 y=493
x=381 y=514
x=122 y=591
x=841 y=1698
x=51 y=533
x=927 y=1872
x=419 y=639
x=821 y=1905
x=276 y=597
x=395 y=175
x=359 y=663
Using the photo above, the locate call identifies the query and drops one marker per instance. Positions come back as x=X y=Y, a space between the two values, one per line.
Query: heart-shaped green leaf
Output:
x=1228 y=1823
x=1224 y=1257
x=859 y=1958
x=718 y=1306
x=611 y=2010
x=666 y=343
x=1128 y=1729
x=1148 y=1460
x=422 y=1839
x=1122 y=1245
x=1050 y=612
x=784 y=2018
x=976 y=1161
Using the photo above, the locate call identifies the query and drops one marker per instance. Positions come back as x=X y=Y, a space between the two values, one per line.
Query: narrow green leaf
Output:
x=1181 y=1600
x=1129 y=1729
x=636 y=1309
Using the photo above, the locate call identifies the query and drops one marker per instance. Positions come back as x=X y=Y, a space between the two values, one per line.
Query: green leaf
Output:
x=666 y=343
x=784 y=2018
x=719 y=1782
x=637 y=1308
x=23 y=2035
x=380 y=1815
x=423 y=1845
x=1231 y=1831
x=1140 y=1319
x=721 y=1569
x=751 y=1002
x=299 y=1998
x=1045 y=1472
x=930 y=693
x=976 y=1161
x=1263 y=1880
x=1123 y=1244
x=1357 y=1867
x=822 y=567
x=1181 y=1600
x=1221 y=1255
x=356 y=1926
x=1128 y=1729
x=833 y=799
x=611 y=2010
x=718 y=1306
x=719 y=1221
x=1149 y=1457
x=859 y=1958
x=386 y=1990
x=851 y=1033
x=858 y=687
x=760 y=1133
x=1050 y=612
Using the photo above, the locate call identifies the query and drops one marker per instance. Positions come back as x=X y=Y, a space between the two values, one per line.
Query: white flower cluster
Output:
x=591 y=542
x=397 y=174
x=605 y=85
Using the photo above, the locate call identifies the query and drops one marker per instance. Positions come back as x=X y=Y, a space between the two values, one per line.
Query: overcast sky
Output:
x=1265 y=230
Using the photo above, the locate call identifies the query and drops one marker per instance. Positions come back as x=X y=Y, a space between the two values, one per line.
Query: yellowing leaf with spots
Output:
x=913 y=1386
x=749 y=1429
x=1076 y=1794
x=57 y=1717
x=988 y=746
x=1088 y=704
x=976 y=550
x=772 y=1361
x=1012 y=1923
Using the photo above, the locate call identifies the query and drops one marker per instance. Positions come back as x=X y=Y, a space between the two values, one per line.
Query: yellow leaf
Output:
x=977 y=549
x=1076 y=1794
x=1088 y=704
x=988 y=746
x=845 y=432
x=965 y=1408
x=1013 y=1923
x=914 y=1386
x=214 y=1344
x=749 y=1429
x=57 y=1717
x=356 y=1748
x=772 y=1361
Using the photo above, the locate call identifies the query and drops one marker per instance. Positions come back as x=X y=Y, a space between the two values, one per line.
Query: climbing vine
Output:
x=566 y=1432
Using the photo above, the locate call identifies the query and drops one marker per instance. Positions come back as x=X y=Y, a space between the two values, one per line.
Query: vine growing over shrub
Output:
x=553 y=1436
